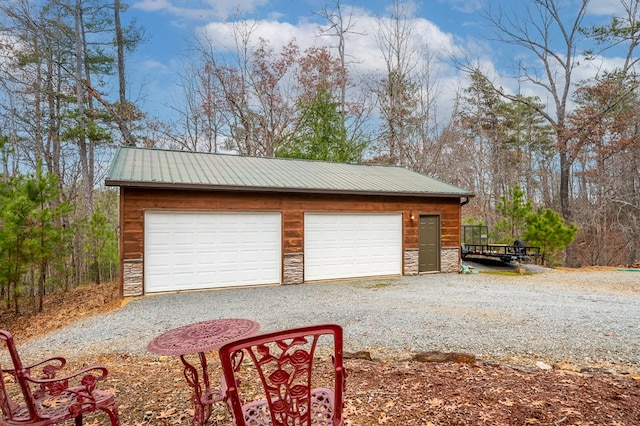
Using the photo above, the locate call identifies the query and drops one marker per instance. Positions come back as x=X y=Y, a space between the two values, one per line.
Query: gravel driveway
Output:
x=585 y=318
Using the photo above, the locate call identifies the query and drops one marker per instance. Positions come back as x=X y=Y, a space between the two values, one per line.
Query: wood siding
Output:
x=135 y=201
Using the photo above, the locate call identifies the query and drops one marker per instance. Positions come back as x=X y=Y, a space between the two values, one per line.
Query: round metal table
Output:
x=198 y=338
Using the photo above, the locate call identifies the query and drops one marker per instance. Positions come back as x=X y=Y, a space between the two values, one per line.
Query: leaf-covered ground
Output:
x=152 y=390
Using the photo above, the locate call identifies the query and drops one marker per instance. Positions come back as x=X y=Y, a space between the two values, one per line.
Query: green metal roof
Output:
x=143 y=167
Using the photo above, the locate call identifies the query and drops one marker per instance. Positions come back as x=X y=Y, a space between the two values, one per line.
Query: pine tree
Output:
x=514 y=210
x=321 y=134
x=546 y=229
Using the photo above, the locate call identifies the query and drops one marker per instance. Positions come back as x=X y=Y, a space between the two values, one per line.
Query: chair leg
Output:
x=112 y=412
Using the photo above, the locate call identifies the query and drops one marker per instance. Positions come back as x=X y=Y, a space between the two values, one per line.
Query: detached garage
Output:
x=197 y=221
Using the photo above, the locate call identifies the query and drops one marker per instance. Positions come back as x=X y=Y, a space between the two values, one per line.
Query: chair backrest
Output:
x=284 y=361
x=6 y=403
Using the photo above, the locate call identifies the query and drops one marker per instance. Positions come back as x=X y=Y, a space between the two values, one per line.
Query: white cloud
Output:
x=606 y=7
x=466 y=6
x=362 y=46
x=223 y=35
x=597 y=66
x=152 y=5
x=227 y=8
x=200 y=10
x=154 y=66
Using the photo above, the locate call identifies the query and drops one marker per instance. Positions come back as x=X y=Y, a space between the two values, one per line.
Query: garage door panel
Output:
x=195 y=250
x=160 y=239
x=352 y=245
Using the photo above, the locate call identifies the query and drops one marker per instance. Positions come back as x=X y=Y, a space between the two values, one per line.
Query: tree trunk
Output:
x=87 y=179
x=124 y=110
x=42 y=279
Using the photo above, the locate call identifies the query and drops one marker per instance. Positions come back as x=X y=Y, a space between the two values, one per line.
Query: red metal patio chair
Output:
x=284 y=361
x=47 y=399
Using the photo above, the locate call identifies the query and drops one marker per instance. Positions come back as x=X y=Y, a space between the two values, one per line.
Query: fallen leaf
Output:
x=167 y=413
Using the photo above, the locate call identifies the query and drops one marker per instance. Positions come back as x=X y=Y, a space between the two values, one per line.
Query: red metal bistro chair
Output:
x=47 y=399
x=284 y=361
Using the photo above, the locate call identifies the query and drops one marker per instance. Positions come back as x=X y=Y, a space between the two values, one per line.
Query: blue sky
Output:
x=446 y=26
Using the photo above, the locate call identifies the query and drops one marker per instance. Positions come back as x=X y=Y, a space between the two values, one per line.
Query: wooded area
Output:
x=574 y=149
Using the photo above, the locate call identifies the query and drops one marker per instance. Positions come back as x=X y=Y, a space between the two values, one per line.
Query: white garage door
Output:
x=196 y=250
x=352 y=245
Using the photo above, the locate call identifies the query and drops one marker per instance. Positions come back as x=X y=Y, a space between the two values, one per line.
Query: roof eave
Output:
x=191 y=186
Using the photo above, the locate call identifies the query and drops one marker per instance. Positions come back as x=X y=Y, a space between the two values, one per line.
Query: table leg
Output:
x=202 y=405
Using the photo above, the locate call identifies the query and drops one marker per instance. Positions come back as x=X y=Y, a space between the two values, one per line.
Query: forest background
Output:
x=569 y=147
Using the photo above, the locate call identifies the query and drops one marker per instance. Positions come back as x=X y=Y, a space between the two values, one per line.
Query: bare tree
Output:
x=422 y=148
x=252 y=90
x=31 y=73
x=340 y=26
x=256 y=97
x=605 y=127
x=396 y=90
x=406 y=93
x=552 y=37
x=85 y=145
x=125 y=110
x=478 y=119
x=201 y=120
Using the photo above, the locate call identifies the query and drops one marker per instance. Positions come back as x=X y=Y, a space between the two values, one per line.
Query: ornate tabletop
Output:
x=202 y=336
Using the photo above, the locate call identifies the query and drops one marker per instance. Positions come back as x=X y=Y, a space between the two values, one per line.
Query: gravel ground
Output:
x=554 y=316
